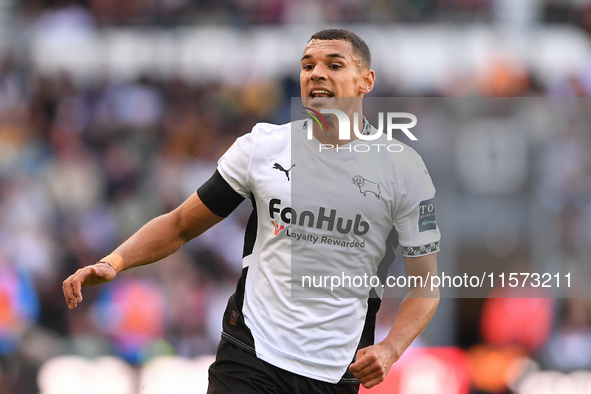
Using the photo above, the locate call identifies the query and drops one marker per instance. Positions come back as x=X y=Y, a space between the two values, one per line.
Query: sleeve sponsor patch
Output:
x=427 y=215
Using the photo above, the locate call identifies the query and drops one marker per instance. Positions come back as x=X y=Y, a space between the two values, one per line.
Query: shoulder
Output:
x=265 y=140
x=272 y=136
x=403 y=164
x=400 y=156
x=396 y=152
x=408 y=154
x=270 y=129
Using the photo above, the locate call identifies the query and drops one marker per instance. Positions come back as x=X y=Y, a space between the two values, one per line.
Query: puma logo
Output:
x=279 y=167
x=277 y=228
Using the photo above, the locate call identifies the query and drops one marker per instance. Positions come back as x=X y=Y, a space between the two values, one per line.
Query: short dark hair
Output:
x=360 y=48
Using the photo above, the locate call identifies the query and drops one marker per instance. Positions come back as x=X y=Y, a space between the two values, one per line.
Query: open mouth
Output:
x=321 y=94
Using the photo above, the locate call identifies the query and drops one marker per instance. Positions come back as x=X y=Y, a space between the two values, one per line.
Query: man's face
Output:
x=330 y=69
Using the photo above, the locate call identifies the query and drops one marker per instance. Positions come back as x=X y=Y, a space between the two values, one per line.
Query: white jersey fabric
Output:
x=325 y=209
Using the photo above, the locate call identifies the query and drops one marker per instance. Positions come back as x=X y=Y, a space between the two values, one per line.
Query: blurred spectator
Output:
x=19 y=306
x=120 y=12
x=11 y=88
x=131 y=312
x=64 y=15
x=569 y=348
x=503 y=78
x=493 y=369
x=521 y=322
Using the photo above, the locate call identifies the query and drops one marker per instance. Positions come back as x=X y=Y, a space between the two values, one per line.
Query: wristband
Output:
x=114 y=260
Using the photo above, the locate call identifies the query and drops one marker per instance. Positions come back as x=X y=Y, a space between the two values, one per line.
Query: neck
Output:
x=330 y=136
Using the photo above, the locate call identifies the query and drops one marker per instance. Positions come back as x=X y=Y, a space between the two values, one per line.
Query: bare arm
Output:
x=165 y=234
x=415 y=312
x=158 y=238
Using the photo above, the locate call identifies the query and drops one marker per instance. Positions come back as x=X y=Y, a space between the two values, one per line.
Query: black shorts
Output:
x=237 y=371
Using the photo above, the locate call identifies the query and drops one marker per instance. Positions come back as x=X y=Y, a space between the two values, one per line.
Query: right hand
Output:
x=91 y=275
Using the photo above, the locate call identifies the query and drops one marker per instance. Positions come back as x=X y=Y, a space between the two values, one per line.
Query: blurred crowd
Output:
x=238 y=12
x=81 y=169
x=84 y=166
x=244 y=12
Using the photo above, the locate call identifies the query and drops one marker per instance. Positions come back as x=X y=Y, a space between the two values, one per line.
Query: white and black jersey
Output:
x=341 y=211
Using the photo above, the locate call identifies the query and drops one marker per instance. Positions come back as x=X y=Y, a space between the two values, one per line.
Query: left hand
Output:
x=372 y=365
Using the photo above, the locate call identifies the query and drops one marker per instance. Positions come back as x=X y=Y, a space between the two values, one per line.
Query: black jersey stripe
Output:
x=374 y=301
x=389 y=256
x=234 y=326
x=218 y=195
x=250 y=235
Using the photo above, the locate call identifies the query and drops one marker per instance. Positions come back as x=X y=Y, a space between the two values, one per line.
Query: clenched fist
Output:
x=372 y=365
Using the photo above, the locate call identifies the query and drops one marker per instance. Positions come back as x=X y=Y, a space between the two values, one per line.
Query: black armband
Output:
x=218 y=195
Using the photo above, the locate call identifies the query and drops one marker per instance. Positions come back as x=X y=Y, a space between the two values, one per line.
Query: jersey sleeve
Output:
x=234 y=165
x=415 y=215
x=218 y=196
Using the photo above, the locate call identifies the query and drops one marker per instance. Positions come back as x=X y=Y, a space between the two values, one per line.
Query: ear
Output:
x=369 y=78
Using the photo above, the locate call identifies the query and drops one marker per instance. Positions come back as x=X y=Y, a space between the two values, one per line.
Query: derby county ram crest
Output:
x=365 y=186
